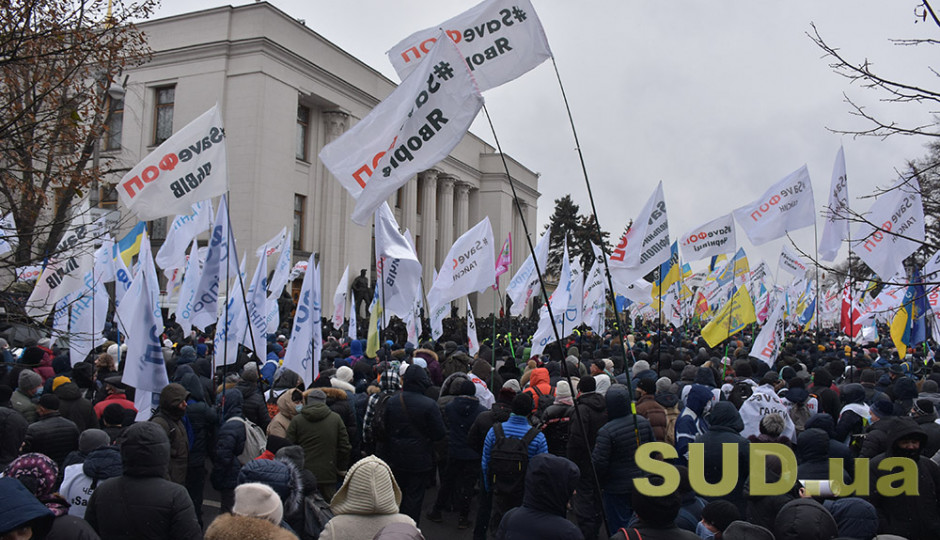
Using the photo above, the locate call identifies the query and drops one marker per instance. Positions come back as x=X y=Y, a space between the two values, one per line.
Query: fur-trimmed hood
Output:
x=340 y=385
x=335 y=394
x=228 y=526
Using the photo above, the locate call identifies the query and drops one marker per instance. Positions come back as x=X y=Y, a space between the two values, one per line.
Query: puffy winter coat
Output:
x=53 y=436
x=593 y=410
x=556 y=425
x=724 y=426
x=690 y=423
x=812 y=449
x=337 y=399
x=231 y=526
x=540 y=387
x=76 y=408
x=285 y=413
x=368 y=500
x=648 y=408
x=617 y=443
x=323 y=436
x=804 y=519
x=230 y=442
x=254 y=408
x=549 y=482
x=13 y=427
x=459 y=416
x=80 y=480
x=855 y=517
x=170 y=417
x=201 y=415
x=140 y=504
x=413 y=422
x=498 y=413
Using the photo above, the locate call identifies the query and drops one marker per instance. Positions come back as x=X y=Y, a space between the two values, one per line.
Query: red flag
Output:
x=850 y=313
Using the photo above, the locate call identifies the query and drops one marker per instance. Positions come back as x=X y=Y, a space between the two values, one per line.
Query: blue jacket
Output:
x=549 y=482
x=690 y=423
x=517 y=426
x=230 y=443
x=617 y=443
x=459 y=415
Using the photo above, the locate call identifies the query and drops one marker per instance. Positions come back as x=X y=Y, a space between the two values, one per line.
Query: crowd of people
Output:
x=517 y=445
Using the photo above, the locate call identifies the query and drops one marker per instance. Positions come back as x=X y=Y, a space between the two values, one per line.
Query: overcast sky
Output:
x=716 y=99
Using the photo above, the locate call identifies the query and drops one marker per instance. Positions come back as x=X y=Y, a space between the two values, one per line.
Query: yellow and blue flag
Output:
x=669 y=272
x=909 y=326
x=129 y=246
x=731 y=319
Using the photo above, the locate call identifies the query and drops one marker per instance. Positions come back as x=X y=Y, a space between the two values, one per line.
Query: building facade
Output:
x=285 y=92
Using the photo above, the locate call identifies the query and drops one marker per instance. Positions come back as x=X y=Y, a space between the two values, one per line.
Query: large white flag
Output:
x=256 y=298
x=399 y=272
x=645 y=246
x=500 y=40
x=785 y=207
x=144 y=368
x=184 y=305
x=437 y=315
x=595 y=294
x=273 y=245
x=230 y=329
x=769 y=341
x=545 y=333
x=339 y=299
x=897 y=229
x=473 y=341
x=708 y=240
x=414 y=128
x=574 y=312
x=791 y=262
x=219 y=266
x=172 y=254
x=469 y=266
x=836 y=228
x=8 y=239
x=87 y=318
x=524 y=285
x=640 y=291
x=303 y=350
x=187 y=168
x=282 y=276
x=65 y=269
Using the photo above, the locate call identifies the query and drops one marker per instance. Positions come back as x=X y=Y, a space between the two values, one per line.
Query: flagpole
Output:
x=241 y=282
x=816 y=263
x=493 y=355
x=659 y=346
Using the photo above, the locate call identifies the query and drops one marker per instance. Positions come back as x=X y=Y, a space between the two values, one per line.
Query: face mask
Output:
x=38 y=392
x=702 y=531
x=298 y=407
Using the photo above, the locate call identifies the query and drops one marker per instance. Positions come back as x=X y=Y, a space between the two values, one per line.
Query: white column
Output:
x=462 y=220
x=445 y=198
x=328 y=210
x=409 y=206
x=426 y=251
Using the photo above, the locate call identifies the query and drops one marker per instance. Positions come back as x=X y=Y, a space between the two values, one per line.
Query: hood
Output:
x=247 y=389
x=416 y=379
x=856 y=517
x=822 y=421
x=202 y=367
x=812 y=445
x=549 y=482
x=539 y=376
x=145 y=450
x=667 y=399
x=804 y=518
x=170 y=398
x=618 y=401
x=369 y=488
x=191 y=383
x=315 y=411
x=281 y=476
x=465 y=405
x=698 y=397
x=233 y=401
x=853 y=393
x=593 y=400
x=355 y=348
x=390 y=381
x=482 y=369
x=705 y=376
x=37 y=472
x=20 y=506
x=285 y=404
x=451 y=383
x=904 y=428
x=103 y=463
x=335 y=394
x=689 y=373
x=904 y=388
x=725 y=417
x=68 y=392
x=399 y=531
x=83 y=374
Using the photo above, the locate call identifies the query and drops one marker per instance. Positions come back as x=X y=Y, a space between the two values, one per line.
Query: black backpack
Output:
x=740 y=391
x=379 y=427
x=509 y=458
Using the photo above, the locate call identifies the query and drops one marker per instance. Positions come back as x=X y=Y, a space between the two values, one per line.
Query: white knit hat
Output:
x=345 y=374
x=562 y=390
x=258 y=500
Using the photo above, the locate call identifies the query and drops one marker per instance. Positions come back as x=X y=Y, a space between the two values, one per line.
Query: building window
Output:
x=163 y=114
x=156 y=229
x=300 y=204
x=112 y=131
x=303 y=125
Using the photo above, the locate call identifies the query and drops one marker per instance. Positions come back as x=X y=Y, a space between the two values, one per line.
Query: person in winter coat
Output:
x=24 y=399
x=338 y=400
x=656 y=518
x=613 y=455
x=855 y=415
x=884 y=415
x=74 y=407
x=725 y=426
x=80 y=480
x=691 y=422
x=203 y=369
x=434 y=366
x=141 y=503
x=256 y=516
x=169 y=416
x=855 y=517
x=368 y=500
x=51 y=435
x=836 y=449
x=924 y=413
x=229 y=444
x=549 y=482
x=805 y=519
x=915 y=517
x=13 y=427
x=39 y=473
x=647 y=407
x=556 y=420
x=253 y=405
x=462 y=469
x=289 y=405
x=592 y=408
x=498 y=413
x=286 y=481
x=413 y=423
x=323 y=436
x=389 y=383
x=812 y=450
x=829 y=401
x=115 y=393
x=21 y=514
x=204 y=422
x=539 y=388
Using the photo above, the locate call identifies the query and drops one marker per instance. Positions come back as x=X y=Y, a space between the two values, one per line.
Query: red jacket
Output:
x=120 y=399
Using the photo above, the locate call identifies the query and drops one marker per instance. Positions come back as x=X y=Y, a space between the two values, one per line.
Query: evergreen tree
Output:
x=563 y=224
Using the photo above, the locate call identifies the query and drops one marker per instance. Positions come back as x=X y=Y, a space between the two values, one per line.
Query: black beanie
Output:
x=587 y=384
x=720 y=513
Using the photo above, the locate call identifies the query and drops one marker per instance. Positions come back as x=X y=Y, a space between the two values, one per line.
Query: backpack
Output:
x=740 y=391
x=255 y=440
x=316 y=513
x=379 y=428
x=509 y=458
x=542 y=402
x=800 y=413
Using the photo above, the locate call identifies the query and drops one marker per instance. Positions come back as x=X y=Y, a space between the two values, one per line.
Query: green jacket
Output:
x=322 y=435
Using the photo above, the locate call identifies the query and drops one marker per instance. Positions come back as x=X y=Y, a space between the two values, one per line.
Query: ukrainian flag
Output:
x=669 y=272
x=373 y=340
x=731 y=319
x=909 y=325
x=129 y=246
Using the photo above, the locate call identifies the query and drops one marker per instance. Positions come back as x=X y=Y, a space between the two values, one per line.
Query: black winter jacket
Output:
x=549 y=483
x=201 y=415
x=617 y=443
x=141 y=504
x=76 y=408
x=253 y=404
x=13 y=426
x=593 y=410
x=229 y=444
x=52 y=435
x=413 y=422
x=724 y=426
x=556 y=425
x=459 y=416
x=497 y=414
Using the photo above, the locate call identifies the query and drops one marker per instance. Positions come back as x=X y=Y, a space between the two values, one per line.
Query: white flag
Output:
x=184 y=305
x=900 y=211
x=144 y=368
x=791 y=262
x=501 y=40
x=769 y=341
x=231 y=328
x=8 y=238
x=437 y=315
x=645 y=246
x=640 y=291
x=473 y=341
x=399 y=272
x=836 y=228
x=273 y=245
x=713 y=238
x=65 y=269
x=339 y=299
x=545 y=333
x=302 y=350
x=282 y=271
x=298 y=270
x=256 y=298
x=595 y=295
x=932 y=266
x=353 y=329
x=574 y=313
x=172 y=254
x=785 y=207
x=411 y=130
x=469 y=266
x=28 y=273
x=524 y=285
x=187 y=168
x=219 y=266
x=87 y=318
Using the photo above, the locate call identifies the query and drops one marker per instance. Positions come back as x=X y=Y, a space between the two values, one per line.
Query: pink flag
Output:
x=504 y=261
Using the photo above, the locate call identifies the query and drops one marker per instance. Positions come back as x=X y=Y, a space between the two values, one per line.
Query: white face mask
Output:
x=298 y=407
x=702 y=531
